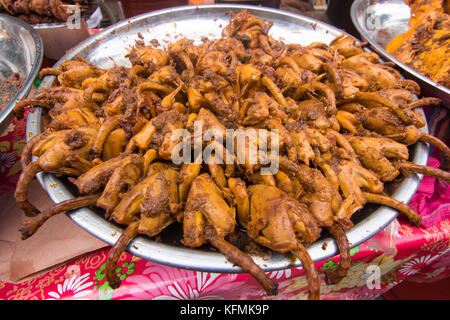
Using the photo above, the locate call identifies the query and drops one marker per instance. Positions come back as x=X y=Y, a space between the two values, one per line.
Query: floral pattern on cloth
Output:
x=72 y=288
x=12 y=142
x=432 y=200
x=415 y=256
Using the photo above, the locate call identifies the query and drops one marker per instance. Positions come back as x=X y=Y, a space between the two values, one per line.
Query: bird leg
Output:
x=245 y=262
x=127 y=235
x=413 y=217
x=30 y=226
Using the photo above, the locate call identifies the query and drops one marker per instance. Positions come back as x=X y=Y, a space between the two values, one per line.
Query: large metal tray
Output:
x=378 y=22
x=21 y=51
x=110 y=46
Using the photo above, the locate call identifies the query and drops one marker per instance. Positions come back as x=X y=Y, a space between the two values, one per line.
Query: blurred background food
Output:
x=102 y=13
x=8 y=88
x=425 y=47
x=43 y=11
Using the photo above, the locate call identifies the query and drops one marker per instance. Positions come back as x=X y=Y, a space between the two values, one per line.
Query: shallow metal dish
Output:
x=194 y=23
x=58 y=37
x=21 y=51
x=378 y=22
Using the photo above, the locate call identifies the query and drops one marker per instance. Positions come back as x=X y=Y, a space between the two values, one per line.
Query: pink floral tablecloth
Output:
x=397 y=253
x=419 y=254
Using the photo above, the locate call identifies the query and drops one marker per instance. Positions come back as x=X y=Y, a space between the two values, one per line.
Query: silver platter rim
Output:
x=208 y=261
x=7 y=115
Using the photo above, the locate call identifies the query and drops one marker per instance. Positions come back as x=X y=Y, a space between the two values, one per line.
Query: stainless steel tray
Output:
x=58 y=37
x=111 y=45
x=378 y=22
x=21 y=51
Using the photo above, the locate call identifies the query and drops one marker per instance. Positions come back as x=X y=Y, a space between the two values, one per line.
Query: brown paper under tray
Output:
x=58 y=241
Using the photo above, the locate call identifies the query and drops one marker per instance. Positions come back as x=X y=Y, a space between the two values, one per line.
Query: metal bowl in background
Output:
x=109 y=47
x=378 y=22
x=59 y=37
x=21 y=50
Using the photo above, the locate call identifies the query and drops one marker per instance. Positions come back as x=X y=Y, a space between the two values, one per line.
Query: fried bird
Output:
x=299 y=138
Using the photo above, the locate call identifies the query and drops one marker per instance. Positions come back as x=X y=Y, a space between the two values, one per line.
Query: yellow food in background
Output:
x=426 y=45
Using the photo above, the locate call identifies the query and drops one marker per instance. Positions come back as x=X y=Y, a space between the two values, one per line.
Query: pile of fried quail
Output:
x=344 y=121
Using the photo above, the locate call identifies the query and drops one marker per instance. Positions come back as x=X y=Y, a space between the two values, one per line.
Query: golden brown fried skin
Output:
x=338 y=124
x=281 y=223
x=72 y=73
x=208 y=218
x=64 y=153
